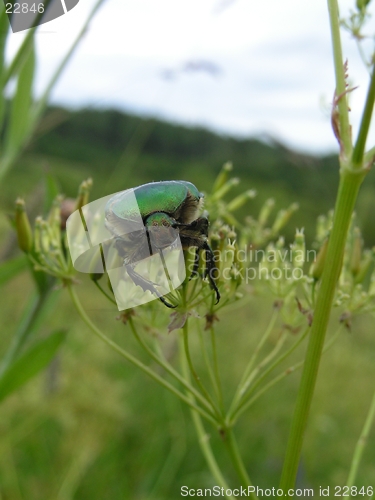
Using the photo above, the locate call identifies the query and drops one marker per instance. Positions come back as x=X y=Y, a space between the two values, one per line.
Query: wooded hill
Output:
x=120 y=150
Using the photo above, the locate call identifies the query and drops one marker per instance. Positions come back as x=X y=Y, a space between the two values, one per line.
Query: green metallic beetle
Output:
x=149 y=218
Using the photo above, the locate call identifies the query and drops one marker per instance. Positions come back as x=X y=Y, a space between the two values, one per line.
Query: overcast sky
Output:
x=240 y=67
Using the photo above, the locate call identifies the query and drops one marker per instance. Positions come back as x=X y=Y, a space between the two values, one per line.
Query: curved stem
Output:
x=264 y=362
x=207 y=362
x=279 y=377
x=195 y=375
x=218 y=388
x=111 y=299
x=168 y=368
x=279 y=360
x=265 y=388
x=360 y=145
x=203 y=438
x=362 y=441
x=241 y=389
x=129 y=357
x=255 y=373
x=237 y=461
x=340 y=94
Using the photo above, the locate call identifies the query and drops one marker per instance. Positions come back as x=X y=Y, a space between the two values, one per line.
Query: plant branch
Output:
x=362 y=441
x=241 y=386
x=169 y=369
x=360 y=145
x=210 y=370
x=348 y=190
x=129 y=357
x=279 y=377
x=350 y=181
x=279 y=360
x=231 y=442
x=216 y=370
x=196 y=376
x=203 y=438
x=255 y=373
x=340 y=93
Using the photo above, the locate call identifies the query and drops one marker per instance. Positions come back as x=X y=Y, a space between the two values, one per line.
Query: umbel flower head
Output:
x=45 y=244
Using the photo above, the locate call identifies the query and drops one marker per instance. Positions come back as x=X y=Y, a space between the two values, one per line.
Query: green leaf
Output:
x=20 y=112
x=30 y=363
x=51 y=191
x=12 y=267
x=24 y=50
x=42 y=103
x=23 y=62
x=4 y=29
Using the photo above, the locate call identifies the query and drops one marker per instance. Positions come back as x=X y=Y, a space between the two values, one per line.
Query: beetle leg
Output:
x=146 y=285
x=210 y=269
x=194 y=272
x=162 y=299
x=195 y=234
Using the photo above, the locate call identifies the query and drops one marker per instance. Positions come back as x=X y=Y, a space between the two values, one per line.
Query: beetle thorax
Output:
x=161 y=230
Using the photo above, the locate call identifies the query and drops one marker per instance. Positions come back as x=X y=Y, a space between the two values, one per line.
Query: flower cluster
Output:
x=45 y=244
x=249 y=256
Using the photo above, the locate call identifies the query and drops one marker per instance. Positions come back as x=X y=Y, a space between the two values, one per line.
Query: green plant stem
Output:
x=362 y=441
x=196 y=376
x=216 y=371
x=279 y=360
x=264 y=362
x=340 y=93
x=203 y=438
x=360 y=145
x=129 y=357
x=111 y=299
x=370 y=156
x=241 y=386
x=169 y=369
x=278 y=378
x=350 y=182
x=207 y=360
x=268 y=386
x=255 y=373
x=231 y=442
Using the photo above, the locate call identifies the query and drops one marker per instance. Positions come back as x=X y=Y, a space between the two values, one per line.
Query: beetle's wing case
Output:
x=122 y=214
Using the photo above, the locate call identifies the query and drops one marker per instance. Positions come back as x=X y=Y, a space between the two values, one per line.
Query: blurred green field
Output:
x=93 y=427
